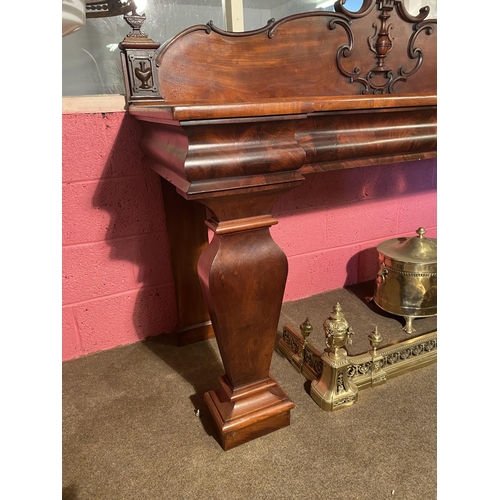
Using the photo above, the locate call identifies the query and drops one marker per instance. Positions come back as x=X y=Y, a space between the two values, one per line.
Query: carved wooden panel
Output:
x=379 y=50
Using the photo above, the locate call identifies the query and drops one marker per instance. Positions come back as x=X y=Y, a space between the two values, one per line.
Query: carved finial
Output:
x=375 y=339
x=139 y=62
x=337 y=331
x=421 y=231
x=306 y=329
x=378 y=374
x=381 y=43
x=135 y=21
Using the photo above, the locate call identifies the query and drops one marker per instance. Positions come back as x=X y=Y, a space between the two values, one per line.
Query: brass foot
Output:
x=408 y=328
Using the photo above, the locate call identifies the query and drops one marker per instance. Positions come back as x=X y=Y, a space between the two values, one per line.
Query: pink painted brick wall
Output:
x=117 y=278
x=331 y=225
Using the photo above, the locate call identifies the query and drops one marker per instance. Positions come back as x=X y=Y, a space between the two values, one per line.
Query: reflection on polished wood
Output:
x=234 y=120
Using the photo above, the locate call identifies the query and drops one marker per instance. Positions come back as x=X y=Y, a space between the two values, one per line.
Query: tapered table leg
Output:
x=243 y=274
x=194 y=322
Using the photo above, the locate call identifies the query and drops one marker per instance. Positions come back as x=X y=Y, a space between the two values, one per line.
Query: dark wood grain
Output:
x=214 y=156
x=243 y=275
x=234 y=120
x=194 y=321
x=312 y=50
x=284 y=107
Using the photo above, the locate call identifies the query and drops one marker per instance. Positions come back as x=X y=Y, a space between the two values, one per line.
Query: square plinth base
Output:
x=234 y=431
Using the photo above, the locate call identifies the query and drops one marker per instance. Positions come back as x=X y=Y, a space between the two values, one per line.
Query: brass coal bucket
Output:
x=406 y=283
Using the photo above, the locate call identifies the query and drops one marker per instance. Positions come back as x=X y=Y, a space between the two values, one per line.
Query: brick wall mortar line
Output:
x=134 y=274
x=358 y=244
x=398 y=213
x=98 y=179
x=120 y=238
x=75 y=325
x=322 y=250
x=334 y=205
x=107 y=296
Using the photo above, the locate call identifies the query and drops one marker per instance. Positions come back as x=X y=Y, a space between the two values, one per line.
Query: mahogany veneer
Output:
x=234 y=120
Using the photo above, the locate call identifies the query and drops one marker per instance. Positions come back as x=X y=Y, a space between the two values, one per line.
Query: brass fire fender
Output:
x=364 y=370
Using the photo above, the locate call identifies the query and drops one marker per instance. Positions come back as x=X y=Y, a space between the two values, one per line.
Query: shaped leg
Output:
x=243 y=274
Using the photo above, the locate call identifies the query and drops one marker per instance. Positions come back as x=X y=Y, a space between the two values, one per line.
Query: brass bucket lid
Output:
x=417 y=249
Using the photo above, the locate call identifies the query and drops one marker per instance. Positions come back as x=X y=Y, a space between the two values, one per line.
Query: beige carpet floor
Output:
x=130 y=429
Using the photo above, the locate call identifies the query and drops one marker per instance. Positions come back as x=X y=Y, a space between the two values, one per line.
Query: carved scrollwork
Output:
x=313 y=362
x=220 y=31
x=410 y=352
x=392 y=358
x=381 y=78
x=319 y=13
x=404 y=14
x=340 y=383
x=352 y=371
x=365 y=368
x=415 y=52
x=430 y=346
x=405 y=354
x=344 y=401
x=288 y=339
x=361 y=367
x=418 y=349
x=375 y=75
